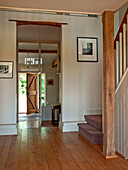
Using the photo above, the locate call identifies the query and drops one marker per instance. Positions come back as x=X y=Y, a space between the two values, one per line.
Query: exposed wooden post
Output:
x=108 y=84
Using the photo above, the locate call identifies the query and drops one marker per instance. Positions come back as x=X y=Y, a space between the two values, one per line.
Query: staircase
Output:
x=92 y=130
x=121 y=91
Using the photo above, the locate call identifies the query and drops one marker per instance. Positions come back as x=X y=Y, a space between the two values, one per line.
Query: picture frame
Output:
x=50 y=82
x=6 y=69
x=87 y=49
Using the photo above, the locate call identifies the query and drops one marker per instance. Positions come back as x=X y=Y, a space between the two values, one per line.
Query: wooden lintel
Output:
x=22 y=22
x=108 y=84
x=37 y=51
x=55 y=62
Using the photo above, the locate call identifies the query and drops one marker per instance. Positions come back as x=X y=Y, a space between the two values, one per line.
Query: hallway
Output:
x=49 y=148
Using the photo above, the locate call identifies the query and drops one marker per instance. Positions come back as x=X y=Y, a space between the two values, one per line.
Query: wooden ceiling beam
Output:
x=37 y=51
x=54 y=24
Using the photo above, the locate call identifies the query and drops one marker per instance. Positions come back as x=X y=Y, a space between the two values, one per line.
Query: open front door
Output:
x=31 y=93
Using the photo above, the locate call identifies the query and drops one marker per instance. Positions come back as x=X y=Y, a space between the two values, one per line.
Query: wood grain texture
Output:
x=47 y=148
x=22 y=22
x=31 y=93
x=108 y=83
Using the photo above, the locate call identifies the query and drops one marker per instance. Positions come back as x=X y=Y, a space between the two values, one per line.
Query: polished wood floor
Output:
x=48 y=148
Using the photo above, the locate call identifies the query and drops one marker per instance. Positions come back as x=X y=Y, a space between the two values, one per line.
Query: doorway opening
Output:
x=22 y=90
x=39 y=83
x=28 y=92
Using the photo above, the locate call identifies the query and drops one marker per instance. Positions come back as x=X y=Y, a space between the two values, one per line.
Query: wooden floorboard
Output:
x=5 y=152
x=47 y=148
x=24 y=151
x=64 y=149
x=39 y=150
x=14 y=153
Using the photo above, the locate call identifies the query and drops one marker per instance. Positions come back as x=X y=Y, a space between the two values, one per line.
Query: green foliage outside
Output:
x=22 y=83
x=42 y=89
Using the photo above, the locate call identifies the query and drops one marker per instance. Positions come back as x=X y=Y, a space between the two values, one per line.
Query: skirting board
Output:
x=8 y=129
x=71 y=126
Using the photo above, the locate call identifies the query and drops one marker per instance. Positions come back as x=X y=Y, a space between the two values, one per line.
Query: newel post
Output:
x=108 y=84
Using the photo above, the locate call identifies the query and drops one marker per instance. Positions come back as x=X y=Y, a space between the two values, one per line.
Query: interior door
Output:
x=31 y=93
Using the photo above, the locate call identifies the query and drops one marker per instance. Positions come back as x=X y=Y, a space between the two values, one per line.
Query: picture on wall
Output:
x=6 y=69
x=50 y=82
x=87 y=49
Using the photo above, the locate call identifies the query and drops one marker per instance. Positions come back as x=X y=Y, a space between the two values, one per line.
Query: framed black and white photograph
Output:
x=87 y=49
x=6 y=69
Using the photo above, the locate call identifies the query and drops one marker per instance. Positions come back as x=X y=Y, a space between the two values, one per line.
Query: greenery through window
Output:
x=42 y=89
x=22 y=83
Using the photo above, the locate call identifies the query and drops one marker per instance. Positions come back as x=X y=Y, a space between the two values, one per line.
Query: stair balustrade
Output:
x=121 y=50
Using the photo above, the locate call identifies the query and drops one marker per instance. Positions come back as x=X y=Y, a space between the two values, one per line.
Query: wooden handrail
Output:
x=121 y=27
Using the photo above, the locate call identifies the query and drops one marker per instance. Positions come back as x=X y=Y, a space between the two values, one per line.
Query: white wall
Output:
x=122 y=12
x=7 y=86
x=118 y=17
x=81 y=82
x=116 y=23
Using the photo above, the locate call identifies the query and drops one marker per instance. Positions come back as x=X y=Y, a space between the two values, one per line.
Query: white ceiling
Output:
x=80 y=6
